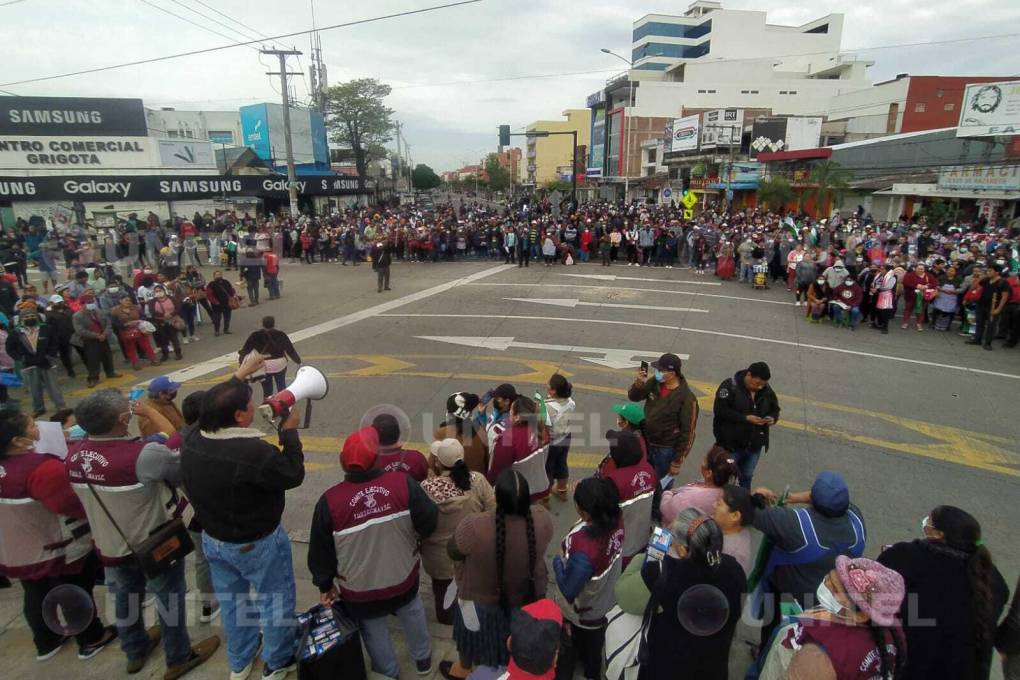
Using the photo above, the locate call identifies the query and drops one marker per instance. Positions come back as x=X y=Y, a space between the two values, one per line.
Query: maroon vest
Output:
x=373 y=535
x=851 y=649
x=33 y=543
x=408 y=461
x=633 y=480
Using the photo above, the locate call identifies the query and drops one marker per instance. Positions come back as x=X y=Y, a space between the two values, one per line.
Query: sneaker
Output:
x=185 y=341
x=88 y=651
x=279 y=673
x=195 y=338
x=423 y=666
x=200 y=653
x=210 y=610
x=50 y=652
x=135 y=665
x=246 y=671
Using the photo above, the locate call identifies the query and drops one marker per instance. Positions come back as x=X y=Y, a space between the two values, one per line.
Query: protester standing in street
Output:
x=387 y=515
x=276 y=347
x=127 y=487
x=251 y=273
x=92 y=329
x=381 y=258
x=271 y=264
x=745 y=410
x=32 y=343
x=671 y=414
x=221 y=296
x=237 y=484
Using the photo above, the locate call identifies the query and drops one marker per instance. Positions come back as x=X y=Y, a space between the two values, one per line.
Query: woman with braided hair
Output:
x=955 y=597
x=695 y=561
x=853 y=633
x=498 y=569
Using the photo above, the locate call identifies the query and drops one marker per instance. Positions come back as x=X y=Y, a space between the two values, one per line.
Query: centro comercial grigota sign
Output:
x=166 y=188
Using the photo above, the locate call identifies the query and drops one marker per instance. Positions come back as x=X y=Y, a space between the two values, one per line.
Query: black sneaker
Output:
x=281 y=672
x=48 y=653
x=88 y=651
x=423 y=666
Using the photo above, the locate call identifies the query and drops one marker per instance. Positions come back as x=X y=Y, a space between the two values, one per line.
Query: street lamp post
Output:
x=626 y=125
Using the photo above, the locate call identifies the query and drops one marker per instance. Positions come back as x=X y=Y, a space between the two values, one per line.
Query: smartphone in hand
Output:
x=644 y=366
x=136 y=394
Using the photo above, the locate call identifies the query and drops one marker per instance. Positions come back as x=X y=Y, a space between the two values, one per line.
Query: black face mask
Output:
x=31 y=322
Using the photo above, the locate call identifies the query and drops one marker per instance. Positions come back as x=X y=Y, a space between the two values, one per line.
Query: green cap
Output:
x=632 y=412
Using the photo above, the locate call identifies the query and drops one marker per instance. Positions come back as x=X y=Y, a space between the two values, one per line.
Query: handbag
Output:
x=178 y=323
x=234 y=302
x=146 y=327
x=166 y=545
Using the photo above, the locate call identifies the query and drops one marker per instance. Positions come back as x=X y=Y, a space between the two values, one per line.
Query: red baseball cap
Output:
x=360 y=450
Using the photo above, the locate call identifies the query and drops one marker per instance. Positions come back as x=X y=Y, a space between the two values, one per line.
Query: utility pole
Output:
x=288 y=144
x=400 y=158
x=317 y=69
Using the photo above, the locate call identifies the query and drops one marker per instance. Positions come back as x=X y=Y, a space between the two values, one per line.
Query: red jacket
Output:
x=272 y=262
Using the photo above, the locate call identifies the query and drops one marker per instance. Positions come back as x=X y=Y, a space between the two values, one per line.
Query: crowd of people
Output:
x=650 y=580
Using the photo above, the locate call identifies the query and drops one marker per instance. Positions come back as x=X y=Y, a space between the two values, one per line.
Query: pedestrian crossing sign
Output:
x=688 y=214
x=689 y=199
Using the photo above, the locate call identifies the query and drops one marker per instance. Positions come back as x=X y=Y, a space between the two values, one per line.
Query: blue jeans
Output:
x=746 y=271
x=266 y=567
x=584 y=255
x=747 y=461
x=273 y=284
x=660 y=457
x=375 y=633
x=267 y=383
x=129 y=585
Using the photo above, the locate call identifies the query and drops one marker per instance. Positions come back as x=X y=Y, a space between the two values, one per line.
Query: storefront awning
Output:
x=950 y=193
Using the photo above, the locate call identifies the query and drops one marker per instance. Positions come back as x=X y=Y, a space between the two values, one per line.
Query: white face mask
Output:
x=826 y=600
x=925 y=523
x=91 y=305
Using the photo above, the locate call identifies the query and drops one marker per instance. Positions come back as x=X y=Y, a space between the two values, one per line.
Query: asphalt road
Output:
x=912 y=420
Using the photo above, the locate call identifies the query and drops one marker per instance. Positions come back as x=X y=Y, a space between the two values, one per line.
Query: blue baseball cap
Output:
x=163 y=384
x=830 y=495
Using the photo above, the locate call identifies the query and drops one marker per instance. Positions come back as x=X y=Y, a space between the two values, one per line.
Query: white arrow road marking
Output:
x=614 y=277
x=574 y=302
x=611 y=357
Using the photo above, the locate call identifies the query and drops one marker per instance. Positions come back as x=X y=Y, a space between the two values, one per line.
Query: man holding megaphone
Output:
x=236 y=482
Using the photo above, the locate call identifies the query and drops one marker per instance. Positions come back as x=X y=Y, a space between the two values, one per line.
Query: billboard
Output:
x=685 y=134
x=722 y=127
x=983 y=177
x=51 y=153
x=990 y=109
x=597 y=157
x=262 y=127
x=72 y=116
x=771 y=134
x=190 y=153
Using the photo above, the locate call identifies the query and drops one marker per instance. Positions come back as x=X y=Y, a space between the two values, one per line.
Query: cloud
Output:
x=446 y=124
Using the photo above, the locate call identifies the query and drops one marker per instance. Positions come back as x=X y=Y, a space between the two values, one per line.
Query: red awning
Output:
x=800 y=154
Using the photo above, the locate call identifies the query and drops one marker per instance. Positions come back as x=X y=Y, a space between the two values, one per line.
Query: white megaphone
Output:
x=309 y=383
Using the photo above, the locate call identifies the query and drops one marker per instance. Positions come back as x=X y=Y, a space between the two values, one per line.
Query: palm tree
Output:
x=775 y=193
x=830 y=180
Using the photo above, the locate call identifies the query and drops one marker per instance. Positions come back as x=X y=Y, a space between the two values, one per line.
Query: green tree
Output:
x=499 y=177
x=775 y=193
x=424 y=177
x=830 y=180
x=557 y=185
x=937 y=212
x=357 y=118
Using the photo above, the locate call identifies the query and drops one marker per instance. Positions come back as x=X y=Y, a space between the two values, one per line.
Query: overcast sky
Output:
x=434 y=61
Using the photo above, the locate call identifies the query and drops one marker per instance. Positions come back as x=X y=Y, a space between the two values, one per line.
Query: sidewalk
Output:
x=19 y=652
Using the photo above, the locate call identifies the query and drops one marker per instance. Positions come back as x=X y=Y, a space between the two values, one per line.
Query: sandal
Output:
x=446 y=670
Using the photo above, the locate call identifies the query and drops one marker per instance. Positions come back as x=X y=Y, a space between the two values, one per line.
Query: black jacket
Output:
x=45 y=346
x=236 y=481
x=61 y=323
x=733 y=403
x=381 y=257
x=272 y=342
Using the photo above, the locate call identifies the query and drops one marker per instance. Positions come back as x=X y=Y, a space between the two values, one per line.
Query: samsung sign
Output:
x=157 y=188
x=72 y=116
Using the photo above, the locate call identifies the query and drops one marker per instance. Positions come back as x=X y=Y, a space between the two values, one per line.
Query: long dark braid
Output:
x=878 y=635
x=501 y=557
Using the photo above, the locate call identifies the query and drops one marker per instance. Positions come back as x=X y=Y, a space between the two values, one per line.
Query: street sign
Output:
x=688 y=214
x=729 y=194
x=689 y=200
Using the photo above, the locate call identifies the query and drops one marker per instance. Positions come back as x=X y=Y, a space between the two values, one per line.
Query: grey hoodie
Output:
x=835 y=274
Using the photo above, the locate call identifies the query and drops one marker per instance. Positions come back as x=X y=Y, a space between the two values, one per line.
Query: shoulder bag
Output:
x=166 y=545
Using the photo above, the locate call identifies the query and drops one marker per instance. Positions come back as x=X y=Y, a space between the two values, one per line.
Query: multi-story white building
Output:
x=220 y=127
x=716 y=58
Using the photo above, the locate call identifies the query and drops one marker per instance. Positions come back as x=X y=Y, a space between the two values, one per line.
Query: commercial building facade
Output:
x=549 y=159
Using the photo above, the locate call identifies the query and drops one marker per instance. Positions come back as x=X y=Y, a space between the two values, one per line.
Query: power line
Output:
x=193 y=23
x=230 y=18
x=208 y=50
x=244 y=35
x=10 y=2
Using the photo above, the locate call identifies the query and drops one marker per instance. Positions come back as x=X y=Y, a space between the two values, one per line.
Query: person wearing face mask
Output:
x=44 y=536
x=817 y=300
x=852 y=634
x=221 y=297
x=636 y=485
x=671 y=413
x=126 y=317
x=33 y=344
x=161 y=395
x=955 y=596
x=163 y=311
x=92 y=329
x=515 y=445
x=695 y=560
x=128 y=489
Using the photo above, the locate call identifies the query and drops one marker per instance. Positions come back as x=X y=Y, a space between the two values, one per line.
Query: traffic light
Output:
x=504 y=135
